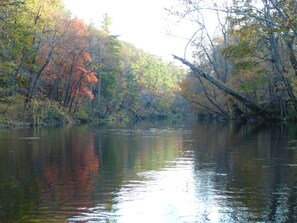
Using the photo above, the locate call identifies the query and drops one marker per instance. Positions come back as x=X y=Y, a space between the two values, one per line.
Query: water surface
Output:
x=150 y=172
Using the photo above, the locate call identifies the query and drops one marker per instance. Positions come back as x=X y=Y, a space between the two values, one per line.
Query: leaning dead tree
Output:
x=258 y=111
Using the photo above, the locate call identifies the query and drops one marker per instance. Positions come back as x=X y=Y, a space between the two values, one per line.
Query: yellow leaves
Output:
x=177 y=88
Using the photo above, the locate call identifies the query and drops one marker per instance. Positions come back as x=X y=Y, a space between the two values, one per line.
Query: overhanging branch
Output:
x=249 y=104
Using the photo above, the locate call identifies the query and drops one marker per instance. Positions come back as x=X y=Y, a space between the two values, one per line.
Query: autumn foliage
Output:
x=58 y=67
x=68 y=76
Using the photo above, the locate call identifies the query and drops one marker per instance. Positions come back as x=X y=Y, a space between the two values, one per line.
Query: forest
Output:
x=55 y=68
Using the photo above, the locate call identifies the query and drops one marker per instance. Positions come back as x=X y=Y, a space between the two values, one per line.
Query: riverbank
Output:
x=43 y=113
x=16 y=114
x=46 y=113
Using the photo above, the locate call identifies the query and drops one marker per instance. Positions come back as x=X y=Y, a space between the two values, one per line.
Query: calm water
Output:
x=150 y=172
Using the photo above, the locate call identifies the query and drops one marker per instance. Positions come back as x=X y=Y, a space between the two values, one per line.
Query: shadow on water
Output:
x=182 y=171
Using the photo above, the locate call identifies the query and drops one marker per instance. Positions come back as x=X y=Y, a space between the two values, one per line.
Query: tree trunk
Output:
x=33 y=86
x=249 y=104
x=293 y=60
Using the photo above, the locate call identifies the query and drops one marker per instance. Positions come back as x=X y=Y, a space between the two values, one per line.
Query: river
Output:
x=150 y=172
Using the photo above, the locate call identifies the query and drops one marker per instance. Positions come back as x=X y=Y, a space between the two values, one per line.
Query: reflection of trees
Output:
x=41 y=176
x=69 y=172
x=19 y=189
x=249 y=165
x=246 y=166
x=125 y=153
x=48 y=178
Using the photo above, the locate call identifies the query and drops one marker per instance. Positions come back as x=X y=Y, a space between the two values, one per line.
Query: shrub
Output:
x=46 y=112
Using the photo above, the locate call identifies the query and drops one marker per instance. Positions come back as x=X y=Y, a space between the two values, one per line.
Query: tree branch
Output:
x=249 y=104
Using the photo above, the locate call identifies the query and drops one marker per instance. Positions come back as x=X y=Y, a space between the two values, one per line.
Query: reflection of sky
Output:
x=193 y=184
x=148 y=176
x=168 y=195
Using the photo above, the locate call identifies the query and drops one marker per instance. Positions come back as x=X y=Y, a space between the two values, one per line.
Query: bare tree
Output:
x=275 y=43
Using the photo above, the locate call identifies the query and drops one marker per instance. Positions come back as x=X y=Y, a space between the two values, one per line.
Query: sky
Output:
x=143 y=23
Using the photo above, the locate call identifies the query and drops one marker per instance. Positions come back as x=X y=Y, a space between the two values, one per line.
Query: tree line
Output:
x=53 y=66
x=249 y=68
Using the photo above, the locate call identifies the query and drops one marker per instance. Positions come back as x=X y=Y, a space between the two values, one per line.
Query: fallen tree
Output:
x=256 y=110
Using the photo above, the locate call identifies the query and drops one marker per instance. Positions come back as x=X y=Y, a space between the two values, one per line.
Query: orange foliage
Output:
x=87 y=57
x=71 y=61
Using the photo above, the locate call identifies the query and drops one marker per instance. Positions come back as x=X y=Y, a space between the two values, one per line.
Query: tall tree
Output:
x=258 y=73
x=71 y=66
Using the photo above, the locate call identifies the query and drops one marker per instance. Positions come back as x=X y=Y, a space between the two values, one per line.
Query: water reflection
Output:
x=150 y=172
x=46 y=174
x=251 y=180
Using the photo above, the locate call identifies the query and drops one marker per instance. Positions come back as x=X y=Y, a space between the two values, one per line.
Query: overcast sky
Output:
x=144 y=23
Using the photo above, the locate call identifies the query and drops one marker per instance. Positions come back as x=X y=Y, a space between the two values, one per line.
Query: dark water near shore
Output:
x=150 y=172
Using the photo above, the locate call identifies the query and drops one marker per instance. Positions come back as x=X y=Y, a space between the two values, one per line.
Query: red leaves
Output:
x=87 y=56
x=71 y=64
x=81 y=82
x=79 y=28
x=86 y=92
x=82 y=69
